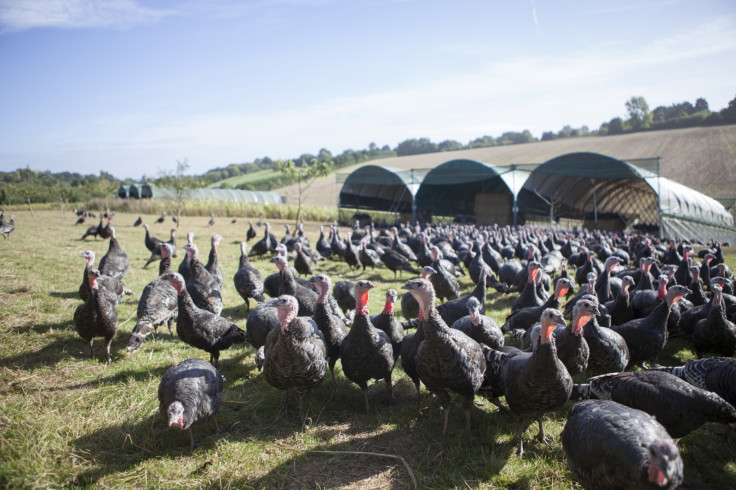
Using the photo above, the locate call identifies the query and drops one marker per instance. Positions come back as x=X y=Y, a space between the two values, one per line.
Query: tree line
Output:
x=26 y=185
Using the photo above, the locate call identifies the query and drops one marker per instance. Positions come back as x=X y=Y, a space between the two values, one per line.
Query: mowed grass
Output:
x=68 y=420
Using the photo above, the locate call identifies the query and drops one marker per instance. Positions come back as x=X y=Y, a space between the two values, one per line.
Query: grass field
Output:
x=251 y=177
x=68 y=420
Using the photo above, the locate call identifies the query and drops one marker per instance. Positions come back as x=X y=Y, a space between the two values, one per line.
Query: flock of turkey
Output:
x=633 y=293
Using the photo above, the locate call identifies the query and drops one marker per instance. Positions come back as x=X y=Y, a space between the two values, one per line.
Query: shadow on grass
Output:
x=44 y=327
x=118 y=448
x=65 y=294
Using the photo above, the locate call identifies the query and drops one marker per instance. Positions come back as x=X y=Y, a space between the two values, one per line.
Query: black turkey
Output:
x=572 y=348
x=185 y=266
x=115 y=262
x=479 y=327
x=7 y=228
x=387 y=322
x=247 y=279
x=213 y=262
x=608 y=350
x=157 y=304
x=366 y=352
x=251 y=233
x=537 y=382
x=409 y=305
x=396 y=262
x=332 y=327
x=524 y=318
x=201 y=328
x=201 y=285
x=447 y=361
x=715 y=333
x=97 y=317
x=190 y=392
x=679 y=406
x=93 y=230
x=113 y=284
x=716 y=374
x=295 y=354
x=646 y=337
x=609 y=445
x=305 y=296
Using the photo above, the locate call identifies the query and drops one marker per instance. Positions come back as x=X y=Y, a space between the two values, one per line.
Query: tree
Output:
x=304 y=176
x=415 y=147
x=701 y=105
x=450 y=145
x=616 y=126
x=729 y=113
x=181 y=184
x=639 y=115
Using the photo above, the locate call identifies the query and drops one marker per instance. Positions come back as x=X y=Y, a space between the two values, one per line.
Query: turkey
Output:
x=138 y=222
x=447 y=361
x=263 y=246
x=161 y=218
x=572 y=348
x=306 y=297
x=452 y=311
x=213 y=264
x=211 y=222
x=620 y=308
x=524 y=318
x=608 y=350
x=97 y=317
x=247 y=279
x=402 y=248
x=716 y=374
x=368 y=257
x=201 y=328
x=105 y=232
x=537 y=382
x=528 y=296
x=112 y=284
x=92 y=230
x=190 y=392
x=366 y=352
x=323 y=245
x=332 y=328
x=151 y=243
x=387 y=322
x=396 y=262
x=295 y=354
x=344 y=294
x=644 y=301
x=646 y=337
x=679 y=406
x=483 y=329
x=443 y=281
x=715 y=333
x=609 y=445
x=302 y=263
x=185 y=266
x=157 y=304
x=250 y=233
x=115 y=262
x=409 y=347
x=201 y=285
x=409 y=305
x=261 y=320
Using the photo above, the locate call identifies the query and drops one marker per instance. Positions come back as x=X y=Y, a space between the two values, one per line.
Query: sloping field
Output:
x=701 y=158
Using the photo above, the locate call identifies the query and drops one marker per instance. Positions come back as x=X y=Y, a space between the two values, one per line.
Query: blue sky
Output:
x=132 y=86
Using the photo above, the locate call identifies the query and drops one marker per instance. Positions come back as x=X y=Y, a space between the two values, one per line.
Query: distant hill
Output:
x=703 y=158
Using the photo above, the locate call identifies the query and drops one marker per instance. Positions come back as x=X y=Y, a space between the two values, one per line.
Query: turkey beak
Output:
x=407 y=286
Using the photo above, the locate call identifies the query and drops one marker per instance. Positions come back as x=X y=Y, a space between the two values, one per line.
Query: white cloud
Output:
x=29 y=14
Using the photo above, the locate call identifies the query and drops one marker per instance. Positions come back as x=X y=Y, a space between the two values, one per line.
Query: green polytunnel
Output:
x=473 y=191
x=609 y=193
x=380 y=188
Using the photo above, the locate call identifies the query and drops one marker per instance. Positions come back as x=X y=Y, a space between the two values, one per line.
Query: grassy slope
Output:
x=244 y=179
x=701 y=158
x=66 y=419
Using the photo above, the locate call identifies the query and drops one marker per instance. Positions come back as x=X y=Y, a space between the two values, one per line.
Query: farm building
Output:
x=597 y=190
x=150 y=191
